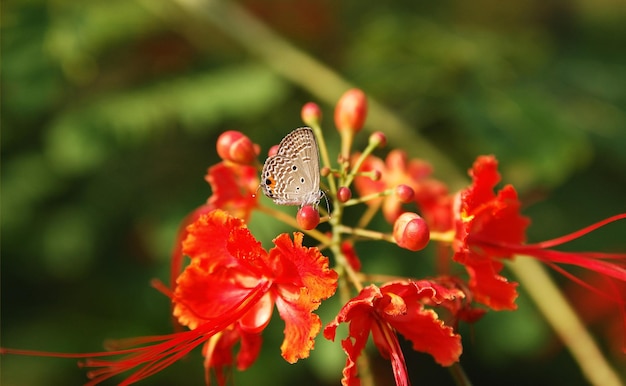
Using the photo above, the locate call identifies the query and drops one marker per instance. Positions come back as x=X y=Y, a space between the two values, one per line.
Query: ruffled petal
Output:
x=207 y=238
x=303 y=279
x=422 y=326
x=297 y=264
x=301 y=327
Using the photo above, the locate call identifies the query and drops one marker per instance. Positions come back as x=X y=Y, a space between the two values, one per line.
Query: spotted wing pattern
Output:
x=292 y=176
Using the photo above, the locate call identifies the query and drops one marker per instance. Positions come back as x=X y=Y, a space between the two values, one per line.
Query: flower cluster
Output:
x=225 y=294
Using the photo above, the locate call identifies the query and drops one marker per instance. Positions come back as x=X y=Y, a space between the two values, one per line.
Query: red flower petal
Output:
x=483 y=220
x=308 y=264
x=255 y=320
x=202 y=295
x=227 y=264
x=303 y=279
x=358 y=312
x=218 y=352
x=234 y=188
x=207 y=236
x=422 y=326
x=488 y=287
x=301 y=327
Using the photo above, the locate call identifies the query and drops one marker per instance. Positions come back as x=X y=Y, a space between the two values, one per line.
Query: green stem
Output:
x=357 y=165
x=317 y=130
x=374 y=235
x=459 y=376
x=373 y=196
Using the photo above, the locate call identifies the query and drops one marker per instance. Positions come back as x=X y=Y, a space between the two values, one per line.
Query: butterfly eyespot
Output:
x=302 y=180
x=294 y=168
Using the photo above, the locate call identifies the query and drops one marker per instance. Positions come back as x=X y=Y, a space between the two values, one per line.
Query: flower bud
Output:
x=236 y=147
x=308 y=217
x=344 y=194
x=404 y=193
x=411 y=232
x=272 y=151
x=311 y=114
x=378 y=139
x=351 y=110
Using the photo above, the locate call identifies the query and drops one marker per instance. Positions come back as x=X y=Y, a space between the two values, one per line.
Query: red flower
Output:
x=226 y=295
x=228 y=264
x=431 y=196
x=397 y=306
x=489 y=227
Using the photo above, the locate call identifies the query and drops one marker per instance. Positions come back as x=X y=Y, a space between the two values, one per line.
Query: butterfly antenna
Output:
x=256 y=191
x=327 y=205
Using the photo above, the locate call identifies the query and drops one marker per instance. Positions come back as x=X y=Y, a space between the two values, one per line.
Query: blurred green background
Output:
x=111 y=108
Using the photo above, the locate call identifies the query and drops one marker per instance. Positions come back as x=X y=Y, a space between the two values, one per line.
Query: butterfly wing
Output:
x=291 y=177
x=277 y=178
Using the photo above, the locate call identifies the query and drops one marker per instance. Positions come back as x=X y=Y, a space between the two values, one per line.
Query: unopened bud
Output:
x=311 y=114
x=411 y=232
x=308 y=217
x=344 y=194
x=378 y=139
x=351 y=111
x=404 y=193
x=273 y=151
x=236 y=147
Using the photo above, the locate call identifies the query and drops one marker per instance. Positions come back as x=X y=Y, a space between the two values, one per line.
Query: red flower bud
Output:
x=344 y=194
x=311 y=114
x=411 y=232
x=273 y=151
x=405 y=193
x=379 y=139
x=351 y=110
x=308 y=217
x=236 y=147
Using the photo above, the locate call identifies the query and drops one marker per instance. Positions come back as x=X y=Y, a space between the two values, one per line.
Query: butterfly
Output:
x=292 y=176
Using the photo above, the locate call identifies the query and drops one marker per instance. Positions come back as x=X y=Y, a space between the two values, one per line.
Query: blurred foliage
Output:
x=109 y=120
